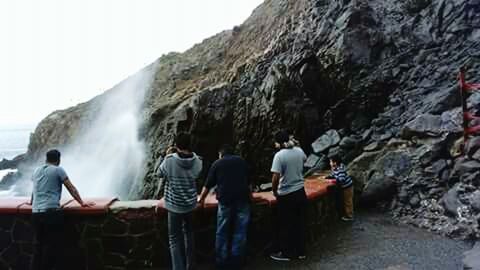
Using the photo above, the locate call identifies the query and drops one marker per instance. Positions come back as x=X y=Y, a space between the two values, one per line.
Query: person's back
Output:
x=288 y=188
x=231 y=178
x=46 y=212
x=47 y=187
x=288 y=162
x=230 y=174
x=181 y=172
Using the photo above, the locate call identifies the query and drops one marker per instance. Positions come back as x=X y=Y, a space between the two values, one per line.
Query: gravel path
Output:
x=374 y=242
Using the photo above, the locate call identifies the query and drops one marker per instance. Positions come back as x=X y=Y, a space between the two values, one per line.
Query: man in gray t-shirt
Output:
x=46 y=211
x=288 y=163
x=288 y=188
x=47 y=187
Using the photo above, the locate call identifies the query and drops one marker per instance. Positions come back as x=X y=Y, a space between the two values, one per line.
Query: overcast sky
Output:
x=57 y=53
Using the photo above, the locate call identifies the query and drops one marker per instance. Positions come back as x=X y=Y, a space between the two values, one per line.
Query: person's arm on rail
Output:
x=275 y=182
x=74 y=192
x=276 y=170
x=209 y=183
x=31 y=200
x=203 y=195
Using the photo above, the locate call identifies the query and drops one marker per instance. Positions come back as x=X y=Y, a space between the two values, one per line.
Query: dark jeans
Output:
x=232 y=224
x=292 y=209
x=180 y=238
x=48 y=246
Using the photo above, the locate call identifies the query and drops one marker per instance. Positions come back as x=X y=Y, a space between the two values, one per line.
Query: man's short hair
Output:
x=183 y=141
x=226 y=149
x=53 y=156
x=336 y=158
x=281 y=137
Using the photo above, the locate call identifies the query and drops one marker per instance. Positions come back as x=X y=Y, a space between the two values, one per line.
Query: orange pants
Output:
x=348 y=201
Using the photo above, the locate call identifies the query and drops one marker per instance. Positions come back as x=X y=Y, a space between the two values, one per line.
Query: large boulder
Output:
x=452 y=121
x=348 y=143
x=358 y=168
x=378 y=188
x=463 y=168
x=396 y=164
x=450 y=202
x=329 y=139
x=386 y=171
x=475 y=201
x=312 y=161
x=476 y=155
x=472 y=146
x=424 y=125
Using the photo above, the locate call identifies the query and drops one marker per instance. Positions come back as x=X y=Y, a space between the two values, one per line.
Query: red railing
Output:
x=315 y=188
x=466 y=90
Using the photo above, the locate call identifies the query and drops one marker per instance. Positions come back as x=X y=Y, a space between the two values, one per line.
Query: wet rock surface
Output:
x=11 y=164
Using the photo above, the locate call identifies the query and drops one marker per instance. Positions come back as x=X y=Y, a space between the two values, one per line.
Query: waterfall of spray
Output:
x=107 y=156
x=107 y=159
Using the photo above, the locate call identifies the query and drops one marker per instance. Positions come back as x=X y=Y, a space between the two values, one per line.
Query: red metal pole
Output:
x=463 y=96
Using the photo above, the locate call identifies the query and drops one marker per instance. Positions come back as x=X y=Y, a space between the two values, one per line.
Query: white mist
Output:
x=108 y=157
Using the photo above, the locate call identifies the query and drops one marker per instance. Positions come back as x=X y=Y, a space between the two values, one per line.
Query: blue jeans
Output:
x=232 y=223
x=180 y=238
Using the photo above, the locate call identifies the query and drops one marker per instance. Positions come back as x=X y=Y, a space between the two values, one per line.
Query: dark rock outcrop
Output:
x=11 y=164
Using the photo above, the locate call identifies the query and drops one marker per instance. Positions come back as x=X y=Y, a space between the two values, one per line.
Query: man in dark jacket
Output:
x=230 y=175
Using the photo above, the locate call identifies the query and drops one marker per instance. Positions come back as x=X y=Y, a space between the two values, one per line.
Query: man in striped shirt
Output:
x=180 y=170
x=339 y=173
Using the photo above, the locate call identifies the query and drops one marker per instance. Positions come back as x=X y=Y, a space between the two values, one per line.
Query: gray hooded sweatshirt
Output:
x=180 y=174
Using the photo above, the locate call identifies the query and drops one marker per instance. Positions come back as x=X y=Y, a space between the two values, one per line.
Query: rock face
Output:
x=11 y=164
x=380 y=74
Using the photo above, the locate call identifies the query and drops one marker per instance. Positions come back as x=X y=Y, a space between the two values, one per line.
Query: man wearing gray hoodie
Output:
x=180 y=170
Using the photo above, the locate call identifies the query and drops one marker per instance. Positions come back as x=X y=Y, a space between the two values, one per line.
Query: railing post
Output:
x=463 y=96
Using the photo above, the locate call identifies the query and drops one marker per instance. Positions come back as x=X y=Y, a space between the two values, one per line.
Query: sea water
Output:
x=14 y=141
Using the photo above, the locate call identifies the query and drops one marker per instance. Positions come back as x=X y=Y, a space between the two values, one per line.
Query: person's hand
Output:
x=88 y=204
x=201 y=202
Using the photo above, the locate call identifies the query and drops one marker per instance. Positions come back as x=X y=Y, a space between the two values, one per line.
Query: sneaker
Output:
x=347 y=218
x=302 y=257
x=279 y=256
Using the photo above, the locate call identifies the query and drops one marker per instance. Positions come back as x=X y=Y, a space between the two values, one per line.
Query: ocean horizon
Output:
x=14 y=140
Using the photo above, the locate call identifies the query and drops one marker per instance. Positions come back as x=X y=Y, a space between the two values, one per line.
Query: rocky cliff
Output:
x=376 y=78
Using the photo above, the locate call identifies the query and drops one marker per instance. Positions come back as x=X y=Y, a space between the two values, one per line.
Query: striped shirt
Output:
x=181 y=173
x=341 y=176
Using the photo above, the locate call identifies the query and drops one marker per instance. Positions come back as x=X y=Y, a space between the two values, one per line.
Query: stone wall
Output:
x=133 y=234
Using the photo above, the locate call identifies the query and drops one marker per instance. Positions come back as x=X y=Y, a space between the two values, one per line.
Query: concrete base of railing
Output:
x=133 y=234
